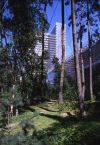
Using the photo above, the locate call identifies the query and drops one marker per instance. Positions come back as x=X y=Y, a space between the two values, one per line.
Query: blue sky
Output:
x=55 y=16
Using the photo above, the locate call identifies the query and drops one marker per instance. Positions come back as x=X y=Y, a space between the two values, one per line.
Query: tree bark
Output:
x=81 y=51
x=61 y=100
x=90 y=52
x=1 y=24
x=42 y=60
x=1 y=41
x=77 y=67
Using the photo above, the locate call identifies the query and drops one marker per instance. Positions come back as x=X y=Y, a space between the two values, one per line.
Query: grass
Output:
x=48 y=127
x=21 y=117
x=34 y=114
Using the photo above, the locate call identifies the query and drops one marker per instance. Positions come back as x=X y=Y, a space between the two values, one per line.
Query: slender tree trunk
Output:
x=4 y=34
x=77 y=67
x=42 y=61
x=8 y=115
x=63 y=58
x=6 y=59
x=81 y=51
x=1 y=24
x=1 y=42
x=90 y=52
x=14 y=78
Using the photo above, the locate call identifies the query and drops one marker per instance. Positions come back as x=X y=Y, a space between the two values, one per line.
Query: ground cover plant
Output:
x=44 y=124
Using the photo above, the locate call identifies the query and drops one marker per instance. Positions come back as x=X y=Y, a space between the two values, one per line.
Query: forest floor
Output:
x=50 y=123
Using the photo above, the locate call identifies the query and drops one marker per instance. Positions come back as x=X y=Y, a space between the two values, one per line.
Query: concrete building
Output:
x=51 y=50
x=70 y=66
x=38 y=48
x=52 y=44
x=55 y=43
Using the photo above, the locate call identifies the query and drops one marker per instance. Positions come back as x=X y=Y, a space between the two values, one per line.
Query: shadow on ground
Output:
x=69 y=130
x=48 y=109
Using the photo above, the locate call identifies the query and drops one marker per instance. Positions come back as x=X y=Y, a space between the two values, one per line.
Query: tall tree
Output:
x=43 y=50
x=81 y=48
x=44 y=27
x=77 y=67
x=90 y=51
x=1 y=23
x=63 y=57
x=82 y=27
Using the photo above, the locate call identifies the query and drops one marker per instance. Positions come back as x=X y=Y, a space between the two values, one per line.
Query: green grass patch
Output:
x=45 y=126
x=21 y=117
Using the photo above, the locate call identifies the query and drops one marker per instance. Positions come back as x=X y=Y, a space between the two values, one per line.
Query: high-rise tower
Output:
x=53 y=45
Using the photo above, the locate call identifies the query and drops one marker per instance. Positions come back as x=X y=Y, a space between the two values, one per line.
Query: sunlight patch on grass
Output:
x=21 y=117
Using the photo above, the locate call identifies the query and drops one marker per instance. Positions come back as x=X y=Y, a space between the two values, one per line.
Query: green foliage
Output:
x=68 y=106
x=51 y=92
x=7 y=100
x=21 y=29
x=64 y=131
x=96 y=87
x=78 y=134
x=69 y=89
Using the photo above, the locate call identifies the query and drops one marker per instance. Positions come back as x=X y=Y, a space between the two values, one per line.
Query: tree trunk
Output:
x=42 y=59
x=12 y=98
x=77 y=67
x=90 y=52
x=63 y=58
x=1 y=44
x=1 y=41
x=81 y=51
x=8 y=115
